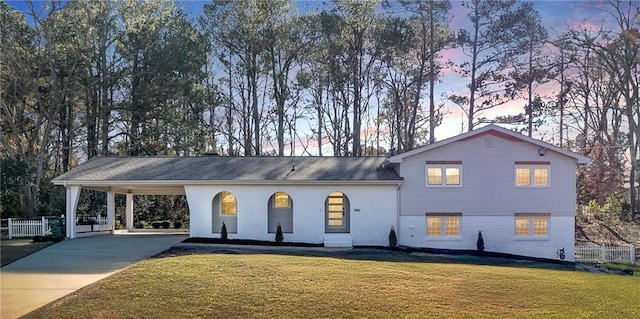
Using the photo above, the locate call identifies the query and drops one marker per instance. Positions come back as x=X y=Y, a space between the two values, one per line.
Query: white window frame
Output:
x=443 y=173
x=531 y=217
x=532 y=177
x=443 y=226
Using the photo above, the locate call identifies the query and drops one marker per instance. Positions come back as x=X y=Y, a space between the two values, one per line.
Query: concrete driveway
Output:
x=60 y=269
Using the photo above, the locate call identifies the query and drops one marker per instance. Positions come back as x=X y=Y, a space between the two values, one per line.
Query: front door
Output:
x=337 y=213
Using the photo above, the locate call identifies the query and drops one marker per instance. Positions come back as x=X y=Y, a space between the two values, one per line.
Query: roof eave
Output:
x=580 y=159
x=220 y=182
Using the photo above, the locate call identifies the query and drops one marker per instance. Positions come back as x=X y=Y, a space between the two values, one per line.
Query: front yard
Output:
x=258 y=285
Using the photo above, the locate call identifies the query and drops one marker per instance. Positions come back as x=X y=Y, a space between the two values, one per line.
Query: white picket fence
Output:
x=606 y=254
x=28 y=228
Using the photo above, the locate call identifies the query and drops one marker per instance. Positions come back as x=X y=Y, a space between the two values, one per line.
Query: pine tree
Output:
x=223 y=232
x=393 y=239
x=279 y=236
x=480 y=242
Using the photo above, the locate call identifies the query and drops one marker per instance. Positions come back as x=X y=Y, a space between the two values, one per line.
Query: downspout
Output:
x=398 y=207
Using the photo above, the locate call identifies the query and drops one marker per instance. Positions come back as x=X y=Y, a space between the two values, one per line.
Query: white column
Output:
x=129 y=212
x=73 y=194
x=111 y=210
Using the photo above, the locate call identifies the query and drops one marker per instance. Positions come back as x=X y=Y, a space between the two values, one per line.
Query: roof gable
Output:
x=495 y=131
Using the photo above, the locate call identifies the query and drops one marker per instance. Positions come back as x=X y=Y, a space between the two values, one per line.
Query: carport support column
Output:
x=129 y=212
x=73 y=194
x=111 y=210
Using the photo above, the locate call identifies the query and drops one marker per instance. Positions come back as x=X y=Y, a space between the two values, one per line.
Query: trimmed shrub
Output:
x=223 y=232
x=279 y=235
x=177 y=224
x=156 y=225
x=480 y=242
x=393 y=239
x=166 y=224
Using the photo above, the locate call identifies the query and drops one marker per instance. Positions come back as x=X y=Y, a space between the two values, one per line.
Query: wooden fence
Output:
x=606 y=254
x=28 y=228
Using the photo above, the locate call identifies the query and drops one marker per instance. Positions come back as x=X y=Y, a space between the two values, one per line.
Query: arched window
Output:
x=224 y=209
x=280 y=211
x=228 y=204
x=337 y=213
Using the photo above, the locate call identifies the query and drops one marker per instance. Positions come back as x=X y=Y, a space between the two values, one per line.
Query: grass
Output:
x=223 y=285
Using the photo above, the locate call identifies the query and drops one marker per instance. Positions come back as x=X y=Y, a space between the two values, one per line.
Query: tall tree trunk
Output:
x=254 y=105
x=432 y=80
x=103 y=73
x=91 y=97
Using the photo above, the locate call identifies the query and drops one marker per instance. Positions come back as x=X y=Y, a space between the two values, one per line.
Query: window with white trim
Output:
x=443 y=224
x=532 y=225
x=443 y=173
x=532 y=174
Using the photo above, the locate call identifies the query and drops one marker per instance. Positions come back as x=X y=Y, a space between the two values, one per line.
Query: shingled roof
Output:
x=226 y=168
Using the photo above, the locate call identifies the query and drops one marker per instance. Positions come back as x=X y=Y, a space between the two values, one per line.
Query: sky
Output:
x=556 y=16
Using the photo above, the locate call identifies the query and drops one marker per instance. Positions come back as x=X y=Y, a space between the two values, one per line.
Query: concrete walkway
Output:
x=38 y=279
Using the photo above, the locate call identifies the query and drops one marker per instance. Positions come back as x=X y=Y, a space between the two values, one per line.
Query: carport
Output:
x=106 y=174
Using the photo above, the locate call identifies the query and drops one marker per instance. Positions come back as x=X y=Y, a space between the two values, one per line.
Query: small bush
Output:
x=166 y=225
x=393 y=239
x=223 y=232
x=279 y=235
x=177 y=224
x=480 y=242
x=156 y=225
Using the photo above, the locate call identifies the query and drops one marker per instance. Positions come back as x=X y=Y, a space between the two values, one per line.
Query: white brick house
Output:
x=520 y=192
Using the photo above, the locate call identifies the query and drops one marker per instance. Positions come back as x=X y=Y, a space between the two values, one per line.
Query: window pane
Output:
x=540 y=227
x=523 y=176
x=227 y=203
x=281 y=200
x=335 y=215
x=452 y=226
x=522 y=226
x=453 y=175
x=434 y=226
x=335 y=208
x=434 y=176
x=541 y=176
x=335 y=222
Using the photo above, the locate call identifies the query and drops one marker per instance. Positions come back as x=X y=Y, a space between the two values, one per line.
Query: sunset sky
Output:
x=557 y=17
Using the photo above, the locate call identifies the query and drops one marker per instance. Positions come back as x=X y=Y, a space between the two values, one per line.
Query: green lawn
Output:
x=279 y=286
